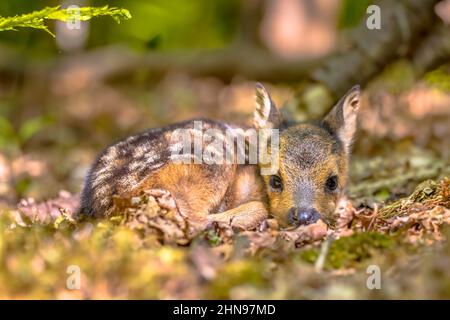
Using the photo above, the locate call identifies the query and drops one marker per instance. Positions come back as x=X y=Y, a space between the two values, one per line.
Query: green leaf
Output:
x=37 y=19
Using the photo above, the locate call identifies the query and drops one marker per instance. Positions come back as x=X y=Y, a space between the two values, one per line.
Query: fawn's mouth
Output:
x=289 y=224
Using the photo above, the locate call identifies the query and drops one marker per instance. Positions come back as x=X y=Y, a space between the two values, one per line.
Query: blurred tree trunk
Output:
x=366 y=52
x=434 y=50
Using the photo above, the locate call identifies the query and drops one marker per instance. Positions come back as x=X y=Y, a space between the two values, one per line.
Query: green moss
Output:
x=236 y=273
x=347 y=252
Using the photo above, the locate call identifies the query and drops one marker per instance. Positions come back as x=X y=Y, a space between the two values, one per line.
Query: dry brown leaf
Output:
x=48 y=211
x=306 y=234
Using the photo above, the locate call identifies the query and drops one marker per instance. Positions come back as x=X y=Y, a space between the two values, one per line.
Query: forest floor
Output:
x=147 y=251
x=394 y=223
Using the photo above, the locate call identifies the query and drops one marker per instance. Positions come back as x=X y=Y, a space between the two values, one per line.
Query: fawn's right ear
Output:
x=266 y=115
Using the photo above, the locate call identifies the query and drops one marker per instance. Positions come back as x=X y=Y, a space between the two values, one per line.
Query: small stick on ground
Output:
x=320 y=262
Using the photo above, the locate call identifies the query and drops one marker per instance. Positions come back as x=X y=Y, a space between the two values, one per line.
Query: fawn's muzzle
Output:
x=303 y=216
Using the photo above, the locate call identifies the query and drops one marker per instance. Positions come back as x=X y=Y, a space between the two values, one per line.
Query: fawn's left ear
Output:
x=341 y=120
x=266 y=115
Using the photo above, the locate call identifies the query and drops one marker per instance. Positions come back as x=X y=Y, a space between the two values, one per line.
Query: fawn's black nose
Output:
x=302 y=216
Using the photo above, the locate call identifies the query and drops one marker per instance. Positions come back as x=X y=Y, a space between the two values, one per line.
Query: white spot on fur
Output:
x=137 y=166
x=139 y=151
x=151 y=157
x=176 y=147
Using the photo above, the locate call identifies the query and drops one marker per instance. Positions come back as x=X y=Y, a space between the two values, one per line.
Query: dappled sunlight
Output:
x=64 y=99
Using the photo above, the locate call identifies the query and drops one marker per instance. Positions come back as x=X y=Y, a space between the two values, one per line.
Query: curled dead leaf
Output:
x=306 y=234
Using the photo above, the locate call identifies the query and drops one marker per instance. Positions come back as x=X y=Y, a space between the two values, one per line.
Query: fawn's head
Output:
x=313 y=160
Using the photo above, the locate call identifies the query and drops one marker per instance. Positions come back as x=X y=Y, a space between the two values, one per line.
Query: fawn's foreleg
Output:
x=247 y=216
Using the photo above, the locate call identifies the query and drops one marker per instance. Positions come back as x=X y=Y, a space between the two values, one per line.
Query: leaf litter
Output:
x=195 y=260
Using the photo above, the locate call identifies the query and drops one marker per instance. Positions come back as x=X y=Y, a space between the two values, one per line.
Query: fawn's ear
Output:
x=341 y=120
x=266 y=115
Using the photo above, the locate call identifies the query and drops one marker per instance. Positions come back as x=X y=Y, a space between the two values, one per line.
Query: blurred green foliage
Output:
x=12 y=139
x=178 y=24
x=439 y=78
x=158 y=24
x=351 y=12
x=348 y=252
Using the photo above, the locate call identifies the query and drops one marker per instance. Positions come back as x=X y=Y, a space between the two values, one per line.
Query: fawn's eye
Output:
x=332 y=183
x=275 y=183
